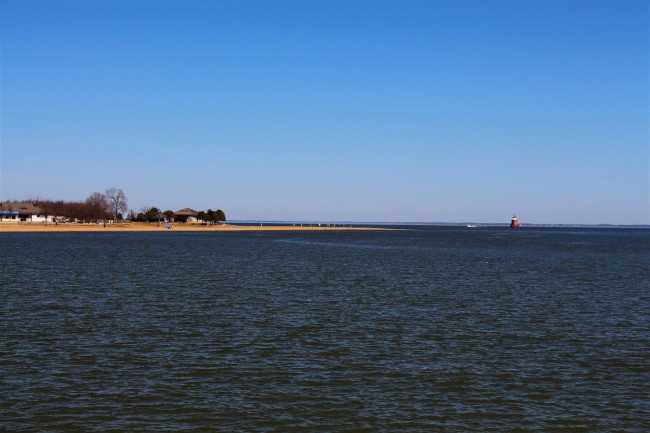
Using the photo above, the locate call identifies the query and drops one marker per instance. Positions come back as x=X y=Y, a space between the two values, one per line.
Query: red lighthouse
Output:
x=514 y=224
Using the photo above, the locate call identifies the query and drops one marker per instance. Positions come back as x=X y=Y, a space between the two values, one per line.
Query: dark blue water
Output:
x=443 y=329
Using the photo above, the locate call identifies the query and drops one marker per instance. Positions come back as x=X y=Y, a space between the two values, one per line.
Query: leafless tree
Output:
x=116 y=201
x=97 y=206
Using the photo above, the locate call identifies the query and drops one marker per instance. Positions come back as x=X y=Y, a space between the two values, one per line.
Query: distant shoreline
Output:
x=123 y=227
x=26 y=227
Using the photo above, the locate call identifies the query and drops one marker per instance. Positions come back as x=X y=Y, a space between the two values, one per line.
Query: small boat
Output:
x=471 y=226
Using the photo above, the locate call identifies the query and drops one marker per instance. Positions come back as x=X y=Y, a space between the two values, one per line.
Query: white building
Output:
x=23 y=212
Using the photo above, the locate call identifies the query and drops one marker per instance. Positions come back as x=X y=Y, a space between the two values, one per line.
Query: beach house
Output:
x=186 y=215
x=23 y=212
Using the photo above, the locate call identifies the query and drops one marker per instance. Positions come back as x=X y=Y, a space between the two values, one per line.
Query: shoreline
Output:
x=27 y=227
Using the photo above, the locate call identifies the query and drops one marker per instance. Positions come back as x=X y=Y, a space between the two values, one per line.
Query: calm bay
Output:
x=422 y=329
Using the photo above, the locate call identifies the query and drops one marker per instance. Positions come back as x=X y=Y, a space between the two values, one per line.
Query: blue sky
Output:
x=333 y=111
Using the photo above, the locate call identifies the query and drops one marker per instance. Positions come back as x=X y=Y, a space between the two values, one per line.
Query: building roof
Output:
x=19 y=208
x=186 y=212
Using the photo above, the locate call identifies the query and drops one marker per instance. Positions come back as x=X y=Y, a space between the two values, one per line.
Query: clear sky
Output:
x=333 y=111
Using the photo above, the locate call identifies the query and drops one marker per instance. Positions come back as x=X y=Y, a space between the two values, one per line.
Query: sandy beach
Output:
x=153 y=227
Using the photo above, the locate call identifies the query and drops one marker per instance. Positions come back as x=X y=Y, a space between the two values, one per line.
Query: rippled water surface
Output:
x=436 y=329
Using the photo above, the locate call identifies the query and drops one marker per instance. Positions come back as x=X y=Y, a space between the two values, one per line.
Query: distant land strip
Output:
x=154 y=227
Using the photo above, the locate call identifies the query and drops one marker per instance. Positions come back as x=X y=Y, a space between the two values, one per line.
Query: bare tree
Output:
x=96 y=206
x=116 y=201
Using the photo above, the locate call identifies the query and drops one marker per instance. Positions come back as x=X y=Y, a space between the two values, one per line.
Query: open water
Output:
x=421 y=330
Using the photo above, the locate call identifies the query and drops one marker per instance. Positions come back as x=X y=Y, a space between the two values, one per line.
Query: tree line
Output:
x=212 y=215
x=112 y=205
x=96 y=207
x=153 y=214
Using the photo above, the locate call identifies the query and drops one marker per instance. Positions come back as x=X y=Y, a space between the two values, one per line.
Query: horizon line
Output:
x=432 y=223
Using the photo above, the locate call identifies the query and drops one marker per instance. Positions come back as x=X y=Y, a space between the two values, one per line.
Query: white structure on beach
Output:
x=23 y=212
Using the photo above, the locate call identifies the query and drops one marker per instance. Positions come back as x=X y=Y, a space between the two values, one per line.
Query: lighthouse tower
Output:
x=514 y=224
